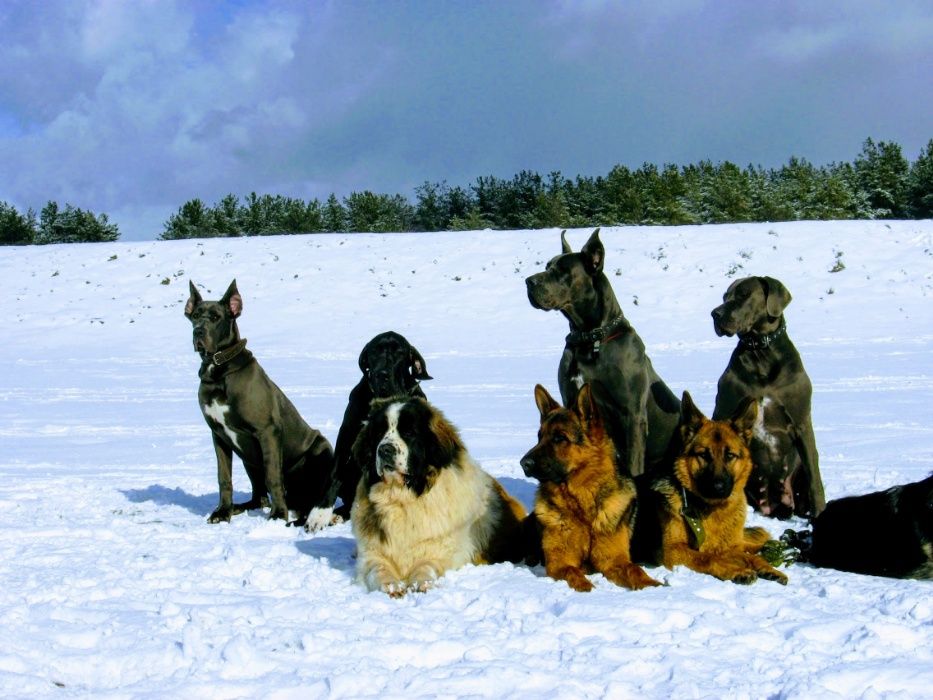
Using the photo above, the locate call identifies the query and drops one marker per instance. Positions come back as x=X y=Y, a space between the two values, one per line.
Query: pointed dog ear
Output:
x=594 y=254
x=419 y=370
x=586 y=408
x=776 y=296
x=691 y=418
x=193 y=300
x=743 y=420
x=564 y=245
x=546 y=403
x=232 y=300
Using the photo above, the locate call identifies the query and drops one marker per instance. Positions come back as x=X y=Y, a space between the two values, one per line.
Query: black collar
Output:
x=597 y=335
x=754 y=341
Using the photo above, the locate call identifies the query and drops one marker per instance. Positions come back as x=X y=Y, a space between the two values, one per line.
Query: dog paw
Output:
x=745 y=578
x=319 y=518
x=772 y=575
x=395 y=589
x=221 y=515
x=279 y=514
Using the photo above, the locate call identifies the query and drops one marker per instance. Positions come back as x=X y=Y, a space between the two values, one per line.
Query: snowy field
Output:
x=113 y=585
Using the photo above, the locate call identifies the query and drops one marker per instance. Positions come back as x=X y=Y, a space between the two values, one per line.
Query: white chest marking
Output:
x=760 y=431
x=219 y=413
x=578 y=380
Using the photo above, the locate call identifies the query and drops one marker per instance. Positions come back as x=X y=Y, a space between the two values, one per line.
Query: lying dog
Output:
x=391 y=366
x=703 y=507
x=249 y=415
x=584 y=507
x=639 y=411
x=766 y=368
x=423 y=506
x=886 y=533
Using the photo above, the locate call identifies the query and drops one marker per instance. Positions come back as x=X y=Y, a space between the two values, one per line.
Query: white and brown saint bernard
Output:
x=423 y=506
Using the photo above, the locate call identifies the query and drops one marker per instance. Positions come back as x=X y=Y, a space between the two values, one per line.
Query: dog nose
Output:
x=387 y=452
x=721 y=486
x=528 y=464
x=199 y=332
x=716 y=313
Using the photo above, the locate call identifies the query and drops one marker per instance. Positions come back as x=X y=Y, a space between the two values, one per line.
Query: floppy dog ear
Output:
x=193 y=300
x=545 y=401
x=419 y=370
x=776 y=296
x=743 y=420
x=691 y=418
x=594 y=253
x=364 y=453
x=232 y=300
x=564 y=245
x=586 y=407
x=445 y=445
x=363 y=361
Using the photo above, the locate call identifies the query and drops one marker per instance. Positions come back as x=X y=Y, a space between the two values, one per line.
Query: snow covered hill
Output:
x=114 y=585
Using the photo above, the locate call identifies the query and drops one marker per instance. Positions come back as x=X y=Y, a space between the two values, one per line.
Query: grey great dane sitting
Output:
x=391 y=366
x=603 y=350
x=249 y=415
x=766 y=367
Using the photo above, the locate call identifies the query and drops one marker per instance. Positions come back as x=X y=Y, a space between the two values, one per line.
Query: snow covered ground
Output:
x=113 y=585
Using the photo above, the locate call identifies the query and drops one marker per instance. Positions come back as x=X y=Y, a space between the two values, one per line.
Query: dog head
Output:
x=715 y=462
x=750 y=304
x=566 y=437
x=214 y=322
x=569 y=281
x=391 y=365
x=407 y=442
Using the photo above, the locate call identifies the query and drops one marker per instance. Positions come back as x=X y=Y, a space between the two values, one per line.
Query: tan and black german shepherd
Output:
x=585 y=509
x=702 y=503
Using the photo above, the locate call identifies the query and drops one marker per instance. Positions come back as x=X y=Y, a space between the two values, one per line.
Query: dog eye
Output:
x=559 y=439
x=730 y=455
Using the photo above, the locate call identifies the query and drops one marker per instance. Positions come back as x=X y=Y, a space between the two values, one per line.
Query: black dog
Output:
x=603 y=350
x=248 y=414
x=391 y=366
x=886 y=533
x=766 y=367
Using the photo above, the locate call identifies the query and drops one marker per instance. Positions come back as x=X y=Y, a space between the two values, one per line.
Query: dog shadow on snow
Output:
x=165 y=496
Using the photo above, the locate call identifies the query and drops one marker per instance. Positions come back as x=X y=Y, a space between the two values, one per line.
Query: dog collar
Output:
x=597 y=336
x=691 y=517
x=753 y=341
x=222 y=357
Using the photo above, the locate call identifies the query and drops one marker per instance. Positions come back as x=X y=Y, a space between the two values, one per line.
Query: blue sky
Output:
x=134 y=107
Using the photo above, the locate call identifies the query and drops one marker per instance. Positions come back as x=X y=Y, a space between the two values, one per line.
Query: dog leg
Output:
x=423 y=576
x=225 y=481
x=564 y=553
x=270 y=443
x=611 y=556
x=765 y=570
x=724 y=566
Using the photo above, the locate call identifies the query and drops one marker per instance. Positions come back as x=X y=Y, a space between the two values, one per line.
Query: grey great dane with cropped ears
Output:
x=248 y=414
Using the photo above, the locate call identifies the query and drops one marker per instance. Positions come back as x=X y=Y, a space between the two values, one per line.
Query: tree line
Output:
x=879 y=183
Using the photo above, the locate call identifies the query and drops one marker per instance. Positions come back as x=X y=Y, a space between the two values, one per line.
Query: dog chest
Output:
x=217 y=414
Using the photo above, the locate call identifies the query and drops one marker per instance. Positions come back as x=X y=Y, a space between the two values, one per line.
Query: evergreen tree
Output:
x=335 y=216
x=192 y=220
x=920 y=184
x=225 y=217
x=882 y=171
x=74 y=225
x=16 y=229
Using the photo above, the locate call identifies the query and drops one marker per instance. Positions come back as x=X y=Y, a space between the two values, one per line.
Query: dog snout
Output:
x=715 y=484
x=386 y=453
x=528 y=464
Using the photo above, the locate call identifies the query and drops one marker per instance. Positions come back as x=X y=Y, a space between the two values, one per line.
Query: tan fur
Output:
x=729 y=550
x=586 y=519
x=406 y=541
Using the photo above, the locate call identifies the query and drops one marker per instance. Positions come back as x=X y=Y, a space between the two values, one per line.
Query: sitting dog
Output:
x=702 y=504
x=766 y=368
x=391 y=366
x=639 y=411
x=249 y=415
x=886 y=533
x=423 y=506
x=584 y=507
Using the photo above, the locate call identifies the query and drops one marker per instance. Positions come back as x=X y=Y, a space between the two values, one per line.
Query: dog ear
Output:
x=564 y=245
x=776 y=296
x=594 y=253
x=743 y=420
x=545 y=401
x=586 y=407
x=419 y=370
x=232 y=300
x=193 y=300
x=446 y=445
x=691 y=418
x=364 y=361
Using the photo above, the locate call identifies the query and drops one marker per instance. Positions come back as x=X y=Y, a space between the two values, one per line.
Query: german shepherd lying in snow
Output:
x=584 y=507
x=702 y=502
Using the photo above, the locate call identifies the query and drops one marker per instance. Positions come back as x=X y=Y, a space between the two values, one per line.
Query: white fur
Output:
x=218 y=412
x=319 y=518
x=760 y=430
